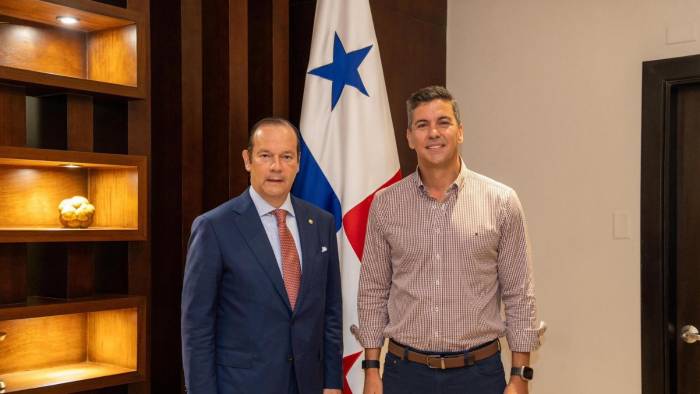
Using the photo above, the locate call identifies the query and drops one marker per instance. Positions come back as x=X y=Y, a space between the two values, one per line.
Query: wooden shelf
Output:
x=99 y=54
x=85 y=374
x=34 y=183
x=93 y=16
x=44 y=306
x=65 y=346
x=52 y=82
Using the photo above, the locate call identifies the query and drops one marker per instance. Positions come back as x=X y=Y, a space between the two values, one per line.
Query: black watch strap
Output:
x=526 y=373
x=370 y=364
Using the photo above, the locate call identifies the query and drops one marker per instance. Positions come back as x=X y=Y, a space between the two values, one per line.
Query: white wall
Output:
x=550 y=92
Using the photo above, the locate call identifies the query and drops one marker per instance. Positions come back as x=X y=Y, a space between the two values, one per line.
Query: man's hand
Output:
x=332 y=391
x=516 y=386
x=373 y=382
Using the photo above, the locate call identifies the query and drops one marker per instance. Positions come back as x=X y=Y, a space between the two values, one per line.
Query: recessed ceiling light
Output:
x=67 y=20
x=70 y=165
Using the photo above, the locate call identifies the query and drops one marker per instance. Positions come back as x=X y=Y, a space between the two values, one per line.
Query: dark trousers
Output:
x=405 y=377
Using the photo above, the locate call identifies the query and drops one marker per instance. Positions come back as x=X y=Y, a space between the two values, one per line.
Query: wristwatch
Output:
x=524 y=372
x=366 y=364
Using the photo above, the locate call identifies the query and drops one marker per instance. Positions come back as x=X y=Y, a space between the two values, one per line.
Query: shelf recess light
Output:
x=67 y=20
x=70 y=165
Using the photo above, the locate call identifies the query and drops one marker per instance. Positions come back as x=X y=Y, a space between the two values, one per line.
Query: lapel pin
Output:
x=311 y=221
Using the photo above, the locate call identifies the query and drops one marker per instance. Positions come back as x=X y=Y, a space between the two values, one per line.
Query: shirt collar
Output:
x=264 y=208
x=458 y=183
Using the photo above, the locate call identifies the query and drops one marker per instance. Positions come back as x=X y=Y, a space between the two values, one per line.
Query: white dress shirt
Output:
x=269 y=222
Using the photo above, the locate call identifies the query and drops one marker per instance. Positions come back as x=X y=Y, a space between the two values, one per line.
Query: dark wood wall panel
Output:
x=413 y=56
x=192 y=113
x=241 y=89
x=167 y=134
x=301 y=15
x=215 y=100
x=259 y=50
x=13 y=257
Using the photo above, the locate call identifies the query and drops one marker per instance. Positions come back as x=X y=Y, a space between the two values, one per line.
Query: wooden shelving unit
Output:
x=35 y=181
x=99 y=54
x=74 y=301
x=72 y=345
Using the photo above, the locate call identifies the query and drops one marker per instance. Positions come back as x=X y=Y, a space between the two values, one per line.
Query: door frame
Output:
x=659 y=77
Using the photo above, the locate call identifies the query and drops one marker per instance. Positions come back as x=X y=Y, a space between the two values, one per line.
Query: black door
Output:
x=671 y=226
x=687 y=125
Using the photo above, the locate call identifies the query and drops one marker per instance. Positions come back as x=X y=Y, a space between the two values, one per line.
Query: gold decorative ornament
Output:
x=76 y=212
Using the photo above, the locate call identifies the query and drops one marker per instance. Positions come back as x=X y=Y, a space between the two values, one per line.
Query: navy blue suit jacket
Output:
x=239 y=333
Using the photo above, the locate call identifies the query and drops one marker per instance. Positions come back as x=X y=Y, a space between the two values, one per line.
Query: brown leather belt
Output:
x=445 y=362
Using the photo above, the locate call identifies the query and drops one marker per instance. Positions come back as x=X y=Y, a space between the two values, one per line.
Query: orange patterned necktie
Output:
x=291 y=268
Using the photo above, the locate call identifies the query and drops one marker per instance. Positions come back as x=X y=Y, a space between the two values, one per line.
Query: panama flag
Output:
x=349 y=150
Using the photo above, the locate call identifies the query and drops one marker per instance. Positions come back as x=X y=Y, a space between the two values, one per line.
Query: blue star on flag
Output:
x=343 y=70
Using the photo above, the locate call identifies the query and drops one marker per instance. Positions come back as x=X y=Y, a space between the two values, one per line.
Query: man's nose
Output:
x=276 y=163
x=433 y=132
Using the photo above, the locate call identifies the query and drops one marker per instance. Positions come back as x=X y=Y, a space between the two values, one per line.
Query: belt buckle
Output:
x=429 y=356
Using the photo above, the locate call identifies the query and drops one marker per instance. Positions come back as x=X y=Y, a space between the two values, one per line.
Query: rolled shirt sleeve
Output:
x=516 y=278
x=375 y=282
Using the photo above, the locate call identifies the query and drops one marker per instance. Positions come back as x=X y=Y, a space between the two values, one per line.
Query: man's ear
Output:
x=408 y=138
x=246 y=159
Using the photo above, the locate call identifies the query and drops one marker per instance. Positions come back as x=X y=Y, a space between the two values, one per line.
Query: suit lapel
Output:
x=252 y=230
x=308 y=236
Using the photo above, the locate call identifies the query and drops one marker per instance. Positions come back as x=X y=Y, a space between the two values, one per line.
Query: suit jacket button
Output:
x=290 y=358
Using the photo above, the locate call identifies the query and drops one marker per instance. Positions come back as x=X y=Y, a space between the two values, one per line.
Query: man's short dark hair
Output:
x=274 y=121
x=428 y=94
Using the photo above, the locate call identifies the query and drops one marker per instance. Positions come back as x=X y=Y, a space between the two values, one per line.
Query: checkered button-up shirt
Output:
x=434 y=273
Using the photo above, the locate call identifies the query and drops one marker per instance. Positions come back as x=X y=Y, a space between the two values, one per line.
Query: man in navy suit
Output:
x=261 y=299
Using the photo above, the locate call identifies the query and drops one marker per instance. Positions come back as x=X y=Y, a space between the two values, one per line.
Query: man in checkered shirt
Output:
x=445 y=246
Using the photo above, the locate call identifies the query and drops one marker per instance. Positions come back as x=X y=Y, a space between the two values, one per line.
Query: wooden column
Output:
x=280 y=58
x=60 y=270
x=13 y=257
x=225 y=98
x=176 y=189
x=13 y=273
x=79 y=123
x=268 y=55
x=80 y=259
x=13 y=119
x=240 y=89
x=139 y=143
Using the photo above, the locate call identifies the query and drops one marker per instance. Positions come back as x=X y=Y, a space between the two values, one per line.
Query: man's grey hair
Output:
x=273 y=121
x=428 y=94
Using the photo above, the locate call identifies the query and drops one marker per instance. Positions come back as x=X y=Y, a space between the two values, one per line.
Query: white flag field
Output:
x=348 y=148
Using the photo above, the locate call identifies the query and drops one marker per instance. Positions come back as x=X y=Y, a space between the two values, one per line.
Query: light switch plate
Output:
x=621 y=225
